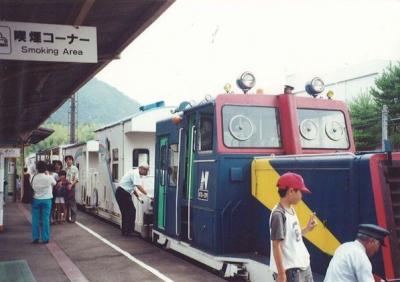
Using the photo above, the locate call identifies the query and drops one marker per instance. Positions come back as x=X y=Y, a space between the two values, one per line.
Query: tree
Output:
x=366 y=124
x=387 y=92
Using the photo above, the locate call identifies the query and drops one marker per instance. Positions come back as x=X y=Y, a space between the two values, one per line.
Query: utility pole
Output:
x=384 y=125
x=72 y=121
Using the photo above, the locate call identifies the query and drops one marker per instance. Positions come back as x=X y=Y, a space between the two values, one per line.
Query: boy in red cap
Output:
x=289 y=257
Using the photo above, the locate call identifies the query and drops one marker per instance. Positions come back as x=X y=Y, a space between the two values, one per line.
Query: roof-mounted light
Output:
x=228 y=88
x=246 y=81
x=176 y=119
x=315 y=86
x=158 y=104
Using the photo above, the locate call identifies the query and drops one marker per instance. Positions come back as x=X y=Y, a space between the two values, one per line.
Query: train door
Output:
x=199 y=145
x=167 y=182
x=186 y=175
x=162 y=181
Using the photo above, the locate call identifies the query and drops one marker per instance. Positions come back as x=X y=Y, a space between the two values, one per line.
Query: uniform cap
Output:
x=292 y=180
x=373 y=231
x=144 y=165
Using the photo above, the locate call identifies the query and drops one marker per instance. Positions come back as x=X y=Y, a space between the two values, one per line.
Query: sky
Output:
x=197 y=46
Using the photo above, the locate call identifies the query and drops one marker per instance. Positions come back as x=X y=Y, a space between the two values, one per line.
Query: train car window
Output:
x=173 y=164
x=322 y=129
x=206 y=133
x=163 y=157
x=163 y=163
x=115 y=172
x=114 y=167
x=140 y=156
x=250 y=127
x=115 y=154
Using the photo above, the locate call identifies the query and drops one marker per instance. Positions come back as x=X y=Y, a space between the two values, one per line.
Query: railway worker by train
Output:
x=73 y=178
x=128 y=186
x=350 y=261
x=289 y=258
x=41 y=203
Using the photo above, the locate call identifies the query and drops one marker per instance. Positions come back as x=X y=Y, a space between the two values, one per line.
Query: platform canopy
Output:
x=30 y=91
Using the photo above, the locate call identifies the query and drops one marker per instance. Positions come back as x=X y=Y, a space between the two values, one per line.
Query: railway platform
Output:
x=88 y=250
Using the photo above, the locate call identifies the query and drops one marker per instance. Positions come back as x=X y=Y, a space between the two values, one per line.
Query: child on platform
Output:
x=60 y=192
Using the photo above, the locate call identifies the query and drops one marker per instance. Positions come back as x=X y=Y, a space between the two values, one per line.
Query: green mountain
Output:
x=97 y=103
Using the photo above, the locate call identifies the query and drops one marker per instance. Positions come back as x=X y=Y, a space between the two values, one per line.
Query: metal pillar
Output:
x=72 y=122
x=384 y=125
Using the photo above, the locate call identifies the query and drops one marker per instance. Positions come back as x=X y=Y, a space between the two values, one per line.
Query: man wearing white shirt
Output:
x=128 y=185
x=350 y=262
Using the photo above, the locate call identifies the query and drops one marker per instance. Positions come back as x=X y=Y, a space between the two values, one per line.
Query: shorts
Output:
x=59 y=200
x=297 y=275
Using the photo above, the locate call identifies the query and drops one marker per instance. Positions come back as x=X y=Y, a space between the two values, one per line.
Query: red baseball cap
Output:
x=292 y=180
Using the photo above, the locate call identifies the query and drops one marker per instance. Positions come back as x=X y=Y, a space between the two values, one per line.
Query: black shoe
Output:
x=45 y=242
x=36 y=241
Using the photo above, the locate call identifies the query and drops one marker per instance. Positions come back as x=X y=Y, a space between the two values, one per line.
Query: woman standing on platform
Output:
x=41 y=205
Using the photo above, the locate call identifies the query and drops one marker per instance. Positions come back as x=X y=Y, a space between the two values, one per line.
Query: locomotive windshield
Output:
x=250 y=127
x=322 y=129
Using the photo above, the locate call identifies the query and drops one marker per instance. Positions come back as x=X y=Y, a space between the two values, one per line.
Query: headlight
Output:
x=315 y=86
x=246 y=81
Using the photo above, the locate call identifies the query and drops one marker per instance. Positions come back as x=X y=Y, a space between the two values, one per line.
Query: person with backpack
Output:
x=289 y=257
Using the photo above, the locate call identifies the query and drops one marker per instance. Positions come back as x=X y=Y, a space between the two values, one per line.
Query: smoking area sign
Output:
x=47 y=42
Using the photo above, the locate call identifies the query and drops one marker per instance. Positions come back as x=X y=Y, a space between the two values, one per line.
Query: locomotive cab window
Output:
x=322 y=129
x=173 y=164
x=250 y=127
x=206 y=133
x=163 y=163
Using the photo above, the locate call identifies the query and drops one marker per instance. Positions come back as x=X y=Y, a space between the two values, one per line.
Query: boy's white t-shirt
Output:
x=285 y=226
